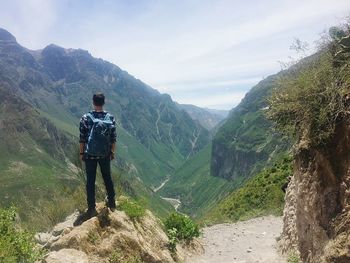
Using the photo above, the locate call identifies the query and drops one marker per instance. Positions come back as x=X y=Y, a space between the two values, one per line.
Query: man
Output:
x=97 y=146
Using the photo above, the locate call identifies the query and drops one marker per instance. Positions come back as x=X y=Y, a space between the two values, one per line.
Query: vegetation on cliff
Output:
x=311 y=104
x=261 y=195
x=311 y=97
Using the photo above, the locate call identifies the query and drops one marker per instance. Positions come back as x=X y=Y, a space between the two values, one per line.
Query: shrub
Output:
x=172 y=234
x=133 y=209
x=185 y=228
x=16 y=245
x=310 y=96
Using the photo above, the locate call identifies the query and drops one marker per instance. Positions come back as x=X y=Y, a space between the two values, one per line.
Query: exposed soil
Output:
x=252 y=241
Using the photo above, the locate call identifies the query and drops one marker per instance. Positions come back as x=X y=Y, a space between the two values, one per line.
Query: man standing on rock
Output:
x=97 y=146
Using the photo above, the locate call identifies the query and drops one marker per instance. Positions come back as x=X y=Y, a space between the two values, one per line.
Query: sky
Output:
x=203 y=52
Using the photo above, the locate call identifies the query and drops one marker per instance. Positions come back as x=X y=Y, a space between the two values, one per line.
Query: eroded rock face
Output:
x=94 y=241
x=317 y=210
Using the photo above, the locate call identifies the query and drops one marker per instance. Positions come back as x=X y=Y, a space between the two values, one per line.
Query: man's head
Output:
x=98 y=99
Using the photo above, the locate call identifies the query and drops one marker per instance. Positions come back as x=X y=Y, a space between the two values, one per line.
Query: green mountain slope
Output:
x=246 y=142
x=60 y=82
x=261 y=195
x=44 y=93
x=195 y=187
x=243 y=145
x=37 y=162
x=35 y=156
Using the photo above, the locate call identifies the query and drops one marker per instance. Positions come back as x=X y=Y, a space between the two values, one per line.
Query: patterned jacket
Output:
x=86 y=123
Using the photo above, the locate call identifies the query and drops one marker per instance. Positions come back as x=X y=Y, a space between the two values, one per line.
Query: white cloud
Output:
x=176 y=45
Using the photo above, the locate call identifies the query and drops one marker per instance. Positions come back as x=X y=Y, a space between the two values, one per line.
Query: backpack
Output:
x=99 y=143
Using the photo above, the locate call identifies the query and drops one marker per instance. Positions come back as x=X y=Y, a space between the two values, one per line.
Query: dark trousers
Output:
x=105 y=167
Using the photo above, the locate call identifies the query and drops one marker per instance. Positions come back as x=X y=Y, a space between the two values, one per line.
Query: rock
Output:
x=99 y=237
x=42 y=238
x=66 y=255
x=315 y=220
x=249 y=250
x=68 y=223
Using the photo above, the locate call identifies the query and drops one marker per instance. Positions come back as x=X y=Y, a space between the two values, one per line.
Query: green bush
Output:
x=133 y=209
x=181 y=227
x=172 y=234
x=16 y=245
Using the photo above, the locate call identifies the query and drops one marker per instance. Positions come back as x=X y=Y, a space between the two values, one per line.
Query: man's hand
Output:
x=111 y=156
x=81 y=157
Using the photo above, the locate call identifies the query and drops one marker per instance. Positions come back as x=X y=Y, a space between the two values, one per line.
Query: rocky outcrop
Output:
x=110 y=237
x=317 y=210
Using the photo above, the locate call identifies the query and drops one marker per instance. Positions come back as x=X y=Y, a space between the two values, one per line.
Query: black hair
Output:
x=98 y=99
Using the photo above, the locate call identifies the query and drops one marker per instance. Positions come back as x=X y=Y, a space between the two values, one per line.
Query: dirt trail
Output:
x=252 y=241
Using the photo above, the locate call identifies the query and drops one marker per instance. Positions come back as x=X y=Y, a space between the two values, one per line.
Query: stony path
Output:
x=252 y=241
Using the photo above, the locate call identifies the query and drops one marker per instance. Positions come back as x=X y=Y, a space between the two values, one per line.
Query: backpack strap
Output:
x=90 y=116
x=107 y=117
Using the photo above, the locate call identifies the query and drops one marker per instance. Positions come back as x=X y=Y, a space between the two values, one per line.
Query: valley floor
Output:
x=252 y=241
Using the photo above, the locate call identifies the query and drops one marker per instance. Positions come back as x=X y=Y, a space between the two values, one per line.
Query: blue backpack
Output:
x=99 y=143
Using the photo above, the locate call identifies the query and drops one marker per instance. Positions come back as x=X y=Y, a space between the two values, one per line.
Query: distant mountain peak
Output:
x=53 y=47
x=6 y=36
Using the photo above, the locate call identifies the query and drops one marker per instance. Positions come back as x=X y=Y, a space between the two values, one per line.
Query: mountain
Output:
x=35 y=156
x=60 y=82
x=208 y=118
x=193 y=185
x=243 y=145
x=44 y=93
x=247 y=142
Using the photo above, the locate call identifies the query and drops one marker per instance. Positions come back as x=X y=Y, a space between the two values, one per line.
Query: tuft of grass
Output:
x=134 y=259
x=93 y=237
x=293 y=257
x=118 y=256
x=133 y=209
x=115 y=257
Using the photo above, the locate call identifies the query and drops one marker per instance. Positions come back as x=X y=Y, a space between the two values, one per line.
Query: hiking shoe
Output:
x=85 y=216
x=110 y=204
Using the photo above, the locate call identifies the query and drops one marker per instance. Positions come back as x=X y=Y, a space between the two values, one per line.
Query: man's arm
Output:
x=112 y=151
x=81 y=150
x=83 y=136
x=113 y=139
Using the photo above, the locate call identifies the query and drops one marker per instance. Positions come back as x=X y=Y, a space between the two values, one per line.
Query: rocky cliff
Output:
x=317 y=211
x=110 y=237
